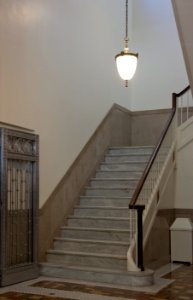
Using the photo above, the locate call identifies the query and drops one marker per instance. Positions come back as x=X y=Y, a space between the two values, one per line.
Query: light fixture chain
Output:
x=126 y=24
x=126 y=20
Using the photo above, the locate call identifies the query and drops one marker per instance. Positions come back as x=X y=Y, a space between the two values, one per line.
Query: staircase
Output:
x=93 y=245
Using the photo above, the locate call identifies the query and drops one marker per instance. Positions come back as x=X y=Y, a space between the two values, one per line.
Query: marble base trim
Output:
x=114 y=130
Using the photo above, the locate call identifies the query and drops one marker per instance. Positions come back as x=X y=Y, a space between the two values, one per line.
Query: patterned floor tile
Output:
x=24 y=296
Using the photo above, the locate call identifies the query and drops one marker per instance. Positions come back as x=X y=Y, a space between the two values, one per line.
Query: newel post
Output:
x=140 y=209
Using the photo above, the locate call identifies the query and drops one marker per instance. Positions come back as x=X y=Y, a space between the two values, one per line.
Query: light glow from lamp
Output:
x=126 y=65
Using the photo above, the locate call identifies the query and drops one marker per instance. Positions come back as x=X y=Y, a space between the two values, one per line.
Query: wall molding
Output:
x=15 y=127
x=151 y=112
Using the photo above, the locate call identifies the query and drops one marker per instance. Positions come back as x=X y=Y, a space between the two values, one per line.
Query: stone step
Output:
x=118 y=174
x=108 y=234
x=126 y=158
x=109 y=192
x=98 y=222
x=127 y=166
x=118 y=262
x=98 y=275
x=113 y=183
x=94 y=246
x=131 y=150
x=105 y=201
x=101 y=211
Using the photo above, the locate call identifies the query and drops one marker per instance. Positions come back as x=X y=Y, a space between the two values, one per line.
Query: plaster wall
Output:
x=58 y=75
x=183 y=15
x=147 y=126
x=161 y=69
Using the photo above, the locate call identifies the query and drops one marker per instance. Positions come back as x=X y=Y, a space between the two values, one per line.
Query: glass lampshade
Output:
x=126 y=64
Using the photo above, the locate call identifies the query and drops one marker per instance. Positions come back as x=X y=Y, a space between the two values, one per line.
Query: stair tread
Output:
x=95 y=229
x=105 y=197
x=119 y=171
x=98 y=218
x=102 y=270
x=103 y=255
x=102 y=207
x=108 y=188
x=91 y=241
x=130 y=147
x=115 y=179
x=86 y=268
x=113 y=188
x=123 y=163
x=128 y=154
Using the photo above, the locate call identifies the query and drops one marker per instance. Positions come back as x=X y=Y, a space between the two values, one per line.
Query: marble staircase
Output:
x=93 y=244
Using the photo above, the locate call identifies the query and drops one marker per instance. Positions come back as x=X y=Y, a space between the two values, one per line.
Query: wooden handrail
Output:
x=156 y=150
x=133 y=204
x=182 y=92
x=176 y=95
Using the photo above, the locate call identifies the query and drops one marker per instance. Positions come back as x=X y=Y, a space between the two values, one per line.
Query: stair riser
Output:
x=122 y=213
x=118 y=174
x=105 y=202
x=109 y=192
x=89 y=261
x=126 y=158
x=139 y=167
x=113 y=183
x=100 y=223
x=125 y=279
x=127 y=151
x=74 y=259
x=91 y=247
x=96 y=235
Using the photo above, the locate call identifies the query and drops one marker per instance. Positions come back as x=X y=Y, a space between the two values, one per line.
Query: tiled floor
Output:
x=56 y=289
x=25 y=296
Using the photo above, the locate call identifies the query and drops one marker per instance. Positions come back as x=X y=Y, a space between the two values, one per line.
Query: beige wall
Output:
x=58 y=75
x=183 y=15
x=161 y=69
x=147 y=126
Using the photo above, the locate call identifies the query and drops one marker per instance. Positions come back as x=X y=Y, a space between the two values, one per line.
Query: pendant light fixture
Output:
x=126 y=61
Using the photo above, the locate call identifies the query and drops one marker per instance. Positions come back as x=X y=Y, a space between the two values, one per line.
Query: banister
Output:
x=182 y=92
x=133 y=203
x=177 y=95
x=150 y=163
x=156 y=150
